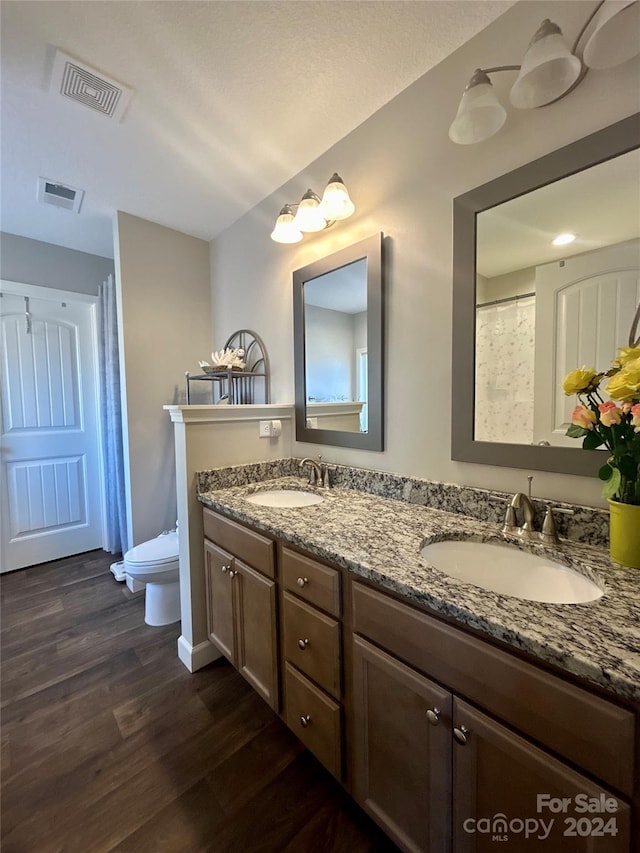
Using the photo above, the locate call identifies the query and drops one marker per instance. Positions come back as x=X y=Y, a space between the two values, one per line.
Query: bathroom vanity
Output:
x=455 y=717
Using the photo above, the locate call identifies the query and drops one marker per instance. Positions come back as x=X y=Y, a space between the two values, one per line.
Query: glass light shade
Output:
x=616 y=37
x=548 y=71
x=309 y=216
x=336 y=203
x=480 y=114
x=285 y=230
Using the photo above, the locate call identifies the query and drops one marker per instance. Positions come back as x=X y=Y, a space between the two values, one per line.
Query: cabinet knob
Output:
x=305 y=721
x=460 y=734
x=433 y=715
x=232 y=574
x=224 y=568
x=302 y=644
x=302 y=582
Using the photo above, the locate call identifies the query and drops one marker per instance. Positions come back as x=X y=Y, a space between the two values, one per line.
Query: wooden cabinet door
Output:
x=402 y=761
x=218 y=567
x=257 y=658
x=498 y=778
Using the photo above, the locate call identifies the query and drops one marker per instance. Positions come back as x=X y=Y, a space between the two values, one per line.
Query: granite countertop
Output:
x=380 y=539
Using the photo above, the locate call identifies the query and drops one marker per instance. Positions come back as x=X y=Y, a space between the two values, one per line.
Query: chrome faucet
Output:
x=316 y=475
x=521 y=501
x=548 y=535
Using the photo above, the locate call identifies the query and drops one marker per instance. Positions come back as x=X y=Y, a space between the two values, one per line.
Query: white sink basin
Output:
x=506 y=569
x=284 y=498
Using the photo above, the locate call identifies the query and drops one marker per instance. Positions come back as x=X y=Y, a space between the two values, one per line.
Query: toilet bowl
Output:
x=155 y=564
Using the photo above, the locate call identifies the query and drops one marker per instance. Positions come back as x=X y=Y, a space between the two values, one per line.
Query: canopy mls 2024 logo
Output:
x=582 y=816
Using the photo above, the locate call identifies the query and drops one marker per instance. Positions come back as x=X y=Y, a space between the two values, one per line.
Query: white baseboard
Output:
x=195 y=657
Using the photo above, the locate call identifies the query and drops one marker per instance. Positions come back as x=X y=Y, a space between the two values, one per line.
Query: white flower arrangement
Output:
x=225 y=359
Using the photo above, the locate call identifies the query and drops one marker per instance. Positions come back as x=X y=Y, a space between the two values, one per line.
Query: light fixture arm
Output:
x=496 y=68
x=574 y=46
x=500 y=68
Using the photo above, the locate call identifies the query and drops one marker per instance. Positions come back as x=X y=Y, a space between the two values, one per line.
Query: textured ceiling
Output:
x=231 y=99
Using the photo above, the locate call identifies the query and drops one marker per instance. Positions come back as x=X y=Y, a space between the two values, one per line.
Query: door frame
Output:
x=51 y=294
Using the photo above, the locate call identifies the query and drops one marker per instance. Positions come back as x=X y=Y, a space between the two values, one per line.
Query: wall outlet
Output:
x=270 y=429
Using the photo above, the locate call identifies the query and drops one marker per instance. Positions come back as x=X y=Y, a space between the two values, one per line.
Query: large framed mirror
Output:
x=338 y=348
x=526 y=312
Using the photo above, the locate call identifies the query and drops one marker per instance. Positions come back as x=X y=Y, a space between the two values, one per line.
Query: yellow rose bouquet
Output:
x=612 y=423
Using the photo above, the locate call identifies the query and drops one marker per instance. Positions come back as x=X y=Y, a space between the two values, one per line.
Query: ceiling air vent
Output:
x=88 y=86
x=59 y=195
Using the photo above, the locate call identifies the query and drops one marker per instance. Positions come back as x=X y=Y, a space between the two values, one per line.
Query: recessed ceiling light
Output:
x=563 y=239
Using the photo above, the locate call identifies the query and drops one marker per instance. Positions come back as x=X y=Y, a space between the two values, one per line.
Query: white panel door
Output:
x=584 y=309
x=51 y=485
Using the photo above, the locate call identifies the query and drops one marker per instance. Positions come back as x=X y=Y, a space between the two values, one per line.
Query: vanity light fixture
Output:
x=549 y=70
x=563 y=239
x=313 y=213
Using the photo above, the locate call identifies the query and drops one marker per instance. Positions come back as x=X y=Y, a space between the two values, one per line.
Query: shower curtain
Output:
x=113 y=456
x=505 y=355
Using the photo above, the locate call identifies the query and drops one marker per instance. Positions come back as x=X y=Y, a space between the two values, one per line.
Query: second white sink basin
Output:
x=284 y=498
x=506 y=569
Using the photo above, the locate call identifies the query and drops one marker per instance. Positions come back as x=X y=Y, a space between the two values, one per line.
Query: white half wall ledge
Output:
x=196 y=657
x=228 y=414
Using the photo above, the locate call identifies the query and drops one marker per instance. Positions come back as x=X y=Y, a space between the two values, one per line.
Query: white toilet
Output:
x=155 y=564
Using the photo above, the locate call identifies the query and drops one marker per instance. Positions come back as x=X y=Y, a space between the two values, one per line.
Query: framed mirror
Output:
x=526 y=312
x=338 y=348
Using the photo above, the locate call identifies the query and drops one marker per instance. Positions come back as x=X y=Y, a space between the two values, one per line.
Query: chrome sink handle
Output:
x=510 y=523
x=549 y=534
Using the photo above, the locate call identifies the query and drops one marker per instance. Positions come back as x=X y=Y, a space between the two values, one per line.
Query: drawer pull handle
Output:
x=302 y=644
x=433 y=715
x=302 y=582
x=305 y=721
x=460 y=734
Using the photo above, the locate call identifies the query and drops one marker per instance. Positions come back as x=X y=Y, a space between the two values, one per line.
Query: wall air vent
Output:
x=79 y=82
x=59 y=195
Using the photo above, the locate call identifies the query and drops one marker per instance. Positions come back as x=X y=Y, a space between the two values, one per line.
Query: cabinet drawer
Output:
x=312 y=643
x=592 y=732
x=315 y=719
x=252 y=548
x=317 y=584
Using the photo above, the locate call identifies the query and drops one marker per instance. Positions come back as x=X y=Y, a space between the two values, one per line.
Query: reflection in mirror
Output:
x=338 y=348
x=545 y=307
x=527 y=312
x=335 y=334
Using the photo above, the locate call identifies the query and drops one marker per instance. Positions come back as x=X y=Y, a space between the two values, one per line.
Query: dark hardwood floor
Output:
x=108 y=743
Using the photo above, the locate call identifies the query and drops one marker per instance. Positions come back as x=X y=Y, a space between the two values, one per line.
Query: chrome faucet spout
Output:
x=521 y=501
x=316 y=474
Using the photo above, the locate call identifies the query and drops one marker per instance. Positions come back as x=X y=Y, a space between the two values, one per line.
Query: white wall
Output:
x=515 y=283
x=211 y=437
x=34 y=262
x=329 y=347
x=403 y=174
x=164 y=322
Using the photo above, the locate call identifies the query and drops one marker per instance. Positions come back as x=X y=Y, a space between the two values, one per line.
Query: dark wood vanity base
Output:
x=449 y=741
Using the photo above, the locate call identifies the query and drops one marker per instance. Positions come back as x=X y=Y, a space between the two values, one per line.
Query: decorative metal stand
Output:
x=239 y=386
